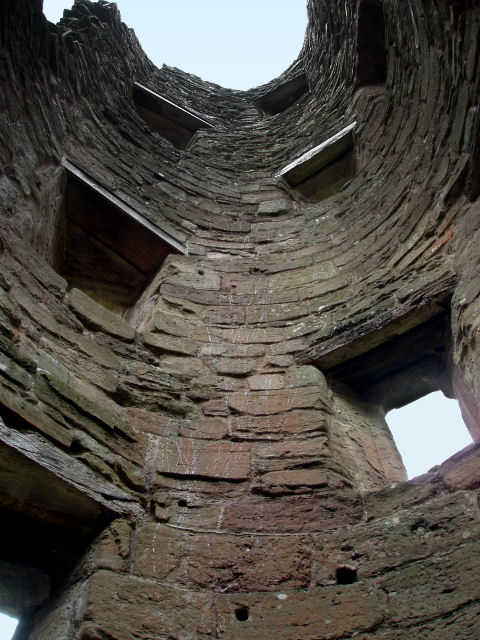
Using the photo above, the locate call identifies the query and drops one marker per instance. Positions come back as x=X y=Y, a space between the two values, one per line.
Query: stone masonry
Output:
x=208 y=301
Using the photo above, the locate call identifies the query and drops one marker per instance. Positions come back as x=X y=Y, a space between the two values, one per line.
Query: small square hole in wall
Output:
x=105 y=247
x=428 y=431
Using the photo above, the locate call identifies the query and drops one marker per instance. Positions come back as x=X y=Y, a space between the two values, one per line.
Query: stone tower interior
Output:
x=208 y=301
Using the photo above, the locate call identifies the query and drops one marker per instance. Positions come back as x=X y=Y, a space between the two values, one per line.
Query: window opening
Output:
x=106 y=247
x=172 y=122
x=322 y=171
x=393 y=364
x=403 y=367
x=428 y=431
x=284 y=95
x=7 y=626
x=371 y=44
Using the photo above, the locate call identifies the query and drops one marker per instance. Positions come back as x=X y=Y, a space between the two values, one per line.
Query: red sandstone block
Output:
x=293 y=479
x=266 y=382
x=328 y=614
x=220 y=562
x=121 y=606
x=407 y=535
x=98 y=317
x=462 y=471
x=300 y=422
x=275 y=401
x=439 y=586
x=319 y=512
x=205 y=459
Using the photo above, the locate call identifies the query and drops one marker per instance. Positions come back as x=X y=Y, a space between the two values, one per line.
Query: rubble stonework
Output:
x=210 y=458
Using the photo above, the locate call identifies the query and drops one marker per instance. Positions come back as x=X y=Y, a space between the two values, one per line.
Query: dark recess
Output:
x=402 y=369
x=242 y=614
x=283 y=96
x=371 y=44
x=103 y=250
x=172 y=122
x=346 y=575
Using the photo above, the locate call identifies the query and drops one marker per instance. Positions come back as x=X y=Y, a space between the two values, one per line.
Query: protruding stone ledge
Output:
x=123 y=210
x=358 y=341
x=172 y=122
x=462 y=470
x=37 y=478
x=99 y=318
x=284 y=95
x=313 y=161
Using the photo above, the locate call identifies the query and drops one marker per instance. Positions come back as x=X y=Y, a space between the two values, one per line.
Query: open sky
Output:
x=428 y=431
x=241 y=45
x=237 y=44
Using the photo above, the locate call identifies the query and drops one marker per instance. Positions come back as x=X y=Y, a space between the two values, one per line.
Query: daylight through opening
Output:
x=7 y=626
x=236 y=45
x=428 y=431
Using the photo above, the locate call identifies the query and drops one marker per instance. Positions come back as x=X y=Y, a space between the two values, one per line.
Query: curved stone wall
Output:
x=213 y=460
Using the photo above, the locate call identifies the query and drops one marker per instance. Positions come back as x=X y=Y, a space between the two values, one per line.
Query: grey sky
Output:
x=234 y=44
x=428 y=431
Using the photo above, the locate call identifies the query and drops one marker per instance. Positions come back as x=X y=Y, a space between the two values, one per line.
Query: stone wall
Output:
x=212 y=461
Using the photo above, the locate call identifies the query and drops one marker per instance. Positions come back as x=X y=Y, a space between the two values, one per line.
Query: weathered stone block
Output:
x=183 y=366
x=330 y=613
x=273 y=207
x=320 y=512
x=163 y=343
x=305 y=423
x=98 y=317
x=234 y=366
x=462 y=471
x=431 y=588
x=195 y=458
x=220 y=562
x=120 y=605
x=275 y=401
x=266 y=382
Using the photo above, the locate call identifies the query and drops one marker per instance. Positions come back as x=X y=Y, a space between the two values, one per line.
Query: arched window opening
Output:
x=7 y=626
x=428 y=431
